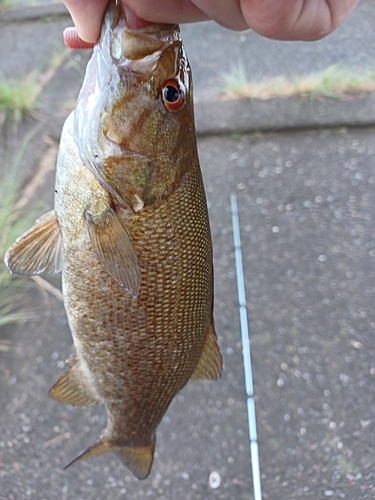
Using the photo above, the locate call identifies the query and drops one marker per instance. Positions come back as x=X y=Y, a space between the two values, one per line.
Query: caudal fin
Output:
x=137 y=459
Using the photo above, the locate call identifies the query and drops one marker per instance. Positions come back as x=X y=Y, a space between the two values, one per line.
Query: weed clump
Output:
x=334 y=81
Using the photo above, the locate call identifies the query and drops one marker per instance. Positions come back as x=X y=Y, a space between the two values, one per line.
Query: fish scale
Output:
x=175 y=300
x=130 y=234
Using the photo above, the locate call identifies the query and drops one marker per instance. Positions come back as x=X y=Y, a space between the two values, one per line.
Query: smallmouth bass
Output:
x=130 y=234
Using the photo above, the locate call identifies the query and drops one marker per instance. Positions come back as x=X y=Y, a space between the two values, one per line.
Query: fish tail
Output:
x=137 y=459
x=93 y=451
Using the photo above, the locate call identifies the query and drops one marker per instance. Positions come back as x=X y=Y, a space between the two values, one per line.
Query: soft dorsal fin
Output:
x=39 y=250
x=114 y=249
x=137 y=459
x=210 y=363
x=72 y=388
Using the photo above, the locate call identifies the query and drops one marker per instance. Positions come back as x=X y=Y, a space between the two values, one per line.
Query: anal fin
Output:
x=72 y=388
x=137 y=459
x=39 y=250
x=210 y=363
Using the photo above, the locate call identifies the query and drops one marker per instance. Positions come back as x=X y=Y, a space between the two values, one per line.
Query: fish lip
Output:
x=159 y=29
x=115 y=13
x=115 y=33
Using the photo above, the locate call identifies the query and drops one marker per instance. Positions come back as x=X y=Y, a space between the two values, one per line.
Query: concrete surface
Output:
x=284 y=113
x=306 y=207
x=214 y=50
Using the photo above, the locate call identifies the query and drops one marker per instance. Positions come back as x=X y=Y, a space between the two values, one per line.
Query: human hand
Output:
x=280 y=19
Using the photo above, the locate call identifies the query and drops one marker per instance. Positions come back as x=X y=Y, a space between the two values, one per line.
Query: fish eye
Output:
x=172 y=95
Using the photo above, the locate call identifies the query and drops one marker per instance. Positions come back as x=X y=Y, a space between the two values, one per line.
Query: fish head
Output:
x=134 y=121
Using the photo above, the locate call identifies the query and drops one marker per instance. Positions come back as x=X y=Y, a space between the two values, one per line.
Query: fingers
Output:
x=296 y=19
x=167 y=11
x=87 y=16
x=225 y=12
x=281 y=20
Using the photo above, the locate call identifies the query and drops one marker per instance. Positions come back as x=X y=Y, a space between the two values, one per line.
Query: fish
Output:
x=130 y=234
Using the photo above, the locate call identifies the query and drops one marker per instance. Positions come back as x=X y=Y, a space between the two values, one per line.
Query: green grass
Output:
x=19 y=97
x=334 y=81
x=14 y=220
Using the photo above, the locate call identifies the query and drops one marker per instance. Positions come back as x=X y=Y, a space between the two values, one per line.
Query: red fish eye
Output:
x=172 y=95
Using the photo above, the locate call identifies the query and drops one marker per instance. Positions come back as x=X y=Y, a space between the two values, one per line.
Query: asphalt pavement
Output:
x=306 y=205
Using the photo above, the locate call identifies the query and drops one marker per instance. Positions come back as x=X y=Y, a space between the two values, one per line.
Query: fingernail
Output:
x=73 y=41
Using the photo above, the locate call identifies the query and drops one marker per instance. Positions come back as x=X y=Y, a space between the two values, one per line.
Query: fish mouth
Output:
x=124 y=43
x=159 y=31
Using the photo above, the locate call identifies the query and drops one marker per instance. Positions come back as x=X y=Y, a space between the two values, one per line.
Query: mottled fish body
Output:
x=130 y=233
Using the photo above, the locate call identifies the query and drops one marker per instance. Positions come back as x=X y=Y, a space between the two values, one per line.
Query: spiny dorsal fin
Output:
x=137 y=459
x=72 y=388
x=39 y=250
x=114 y=249
x=210 y=363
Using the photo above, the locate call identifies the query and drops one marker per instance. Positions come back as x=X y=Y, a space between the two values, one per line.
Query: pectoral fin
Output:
x=210 y=363
x=39 y=250
x=137 y=459
x=72 y=388
x=114 y=249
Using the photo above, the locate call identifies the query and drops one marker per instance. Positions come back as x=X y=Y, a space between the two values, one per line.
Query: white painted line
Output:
x=254 y=451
